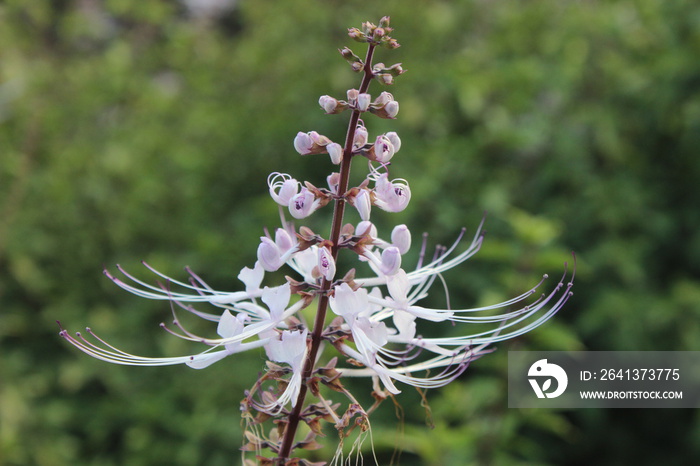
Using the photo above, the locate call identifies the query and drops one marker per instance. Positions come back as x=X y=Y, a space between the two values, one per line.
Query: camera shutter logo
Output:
x=544 y=371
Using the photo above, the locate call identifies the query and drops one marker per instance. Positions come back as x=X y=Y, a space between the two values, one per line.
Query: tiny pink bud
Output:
x=356 y=34
x=401 y=238
x=352 y=95
x=328 y=103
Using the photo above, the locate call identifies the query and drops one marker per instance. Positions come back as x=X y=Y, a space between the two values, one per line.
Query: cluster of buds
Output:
x=377 y=35
x=383 y=106
x=377 y=324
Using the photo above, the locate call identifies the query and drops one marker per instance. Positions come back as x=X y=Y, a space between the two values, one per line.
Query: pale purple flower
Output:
x=303 y=204
x=326 y=263
x=383 y=149
x=273 y=254
x=392 y=196
x=388 y=263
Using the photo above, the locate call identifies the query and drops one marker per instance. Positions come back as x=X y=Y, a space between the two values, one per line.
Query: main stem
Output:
x=319 y=322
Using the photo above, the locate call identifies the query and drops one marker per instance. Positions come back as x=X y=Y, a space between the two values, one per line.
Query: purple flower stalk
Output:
x=378 y=318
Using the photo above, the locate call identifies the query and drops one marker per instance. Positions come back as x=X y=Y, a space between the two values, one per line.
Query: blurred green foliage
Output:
x=139 y=131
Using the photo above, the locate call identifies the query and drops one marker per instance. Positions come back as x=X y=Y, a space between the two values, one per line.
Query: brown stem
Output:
x=319 y=322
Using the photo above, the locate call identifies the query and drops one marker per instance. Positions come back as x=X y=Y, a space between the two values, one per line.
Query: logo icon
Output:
x=546 y=371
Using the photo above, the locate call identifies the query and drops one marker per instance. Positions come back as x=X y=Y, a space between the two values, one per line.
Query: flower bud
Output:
x=361 y=136
x=383 y=99
x=284 y=241
x=401 y=238
x=395 y=140
x=352 y=95
x=336 y=152
x=391 y=261
x=357 y=35
x=391 y=44
x=391 y=109
x=384 y=78
x=326 y=264
x=363 y=204
x=366 y=228
x=311 y=143
x=363 y=101
x=269 y=255
x=333 y=181
x=303 y=143
x=328 y=103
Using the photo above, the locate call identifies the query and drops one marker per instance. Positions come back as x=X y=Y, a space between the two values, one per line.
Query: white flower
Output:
x=252 y=322
x=290 y=348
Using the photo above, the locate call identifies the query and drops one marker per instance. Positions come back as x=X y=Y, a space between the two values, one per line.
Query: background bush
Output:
x=137 y=131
